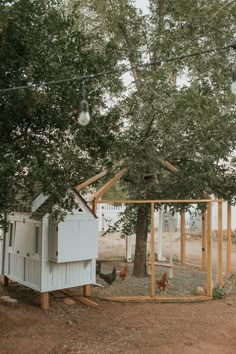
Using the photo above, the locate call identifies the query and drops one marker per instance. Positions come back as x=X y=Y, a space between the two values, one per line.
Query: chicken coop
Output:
x=46 y=255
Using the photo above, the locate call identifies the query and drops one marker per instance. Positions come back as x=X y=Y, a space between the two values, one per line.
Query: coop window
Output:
x=10 y=234
x=36 y=244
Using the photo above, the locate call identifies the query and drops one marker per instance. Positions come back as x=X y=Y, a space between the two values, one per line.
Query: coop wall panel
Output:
x=24 y=271
x=32 y=272
x=65 y=275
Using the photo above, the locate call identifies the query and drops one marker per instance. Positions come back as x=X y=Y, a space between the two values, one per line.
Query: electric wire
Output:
x=125 y=69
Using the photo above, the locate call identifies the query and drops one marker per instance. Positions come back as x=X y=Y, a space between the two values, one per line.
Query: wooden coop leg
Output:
x=5 y=281
x=87 y=290
x=45 y=301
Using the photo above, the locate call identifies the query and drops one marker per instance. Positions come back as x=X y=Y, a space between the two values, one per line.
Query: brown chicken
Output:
x=123 y=273
x=162 y=284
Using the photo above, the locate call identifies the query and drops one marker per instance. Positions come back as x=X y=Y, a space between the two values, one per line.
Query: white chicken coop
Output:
x=46 y=255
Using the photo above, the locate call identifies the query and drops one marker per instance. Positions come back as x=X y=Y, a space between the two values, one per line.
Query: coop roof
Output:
x=45 y=204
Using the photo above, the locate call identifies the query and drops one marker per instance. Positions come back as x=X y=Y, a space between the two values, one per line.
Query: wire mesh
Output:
x=184 y=278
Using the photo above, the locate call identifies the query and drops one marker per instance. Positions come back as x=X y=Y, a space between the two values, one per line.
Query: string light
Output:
x=117 y=71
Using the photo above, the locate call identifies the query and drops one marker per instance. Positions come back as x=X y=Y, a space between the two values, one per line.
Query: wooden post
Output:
x=94 y=206
x=220 y=244
x=87 y=290
x=204 y=243
x=153 y=279
x=209 y=249
x=5 y=280
x=228 y=238
x=182 y=232
x=45 y=301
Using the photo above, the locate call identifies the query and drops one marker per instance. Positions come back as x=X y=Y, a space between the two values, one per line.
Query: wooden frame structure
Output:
x=153 y=296
x=206 y=236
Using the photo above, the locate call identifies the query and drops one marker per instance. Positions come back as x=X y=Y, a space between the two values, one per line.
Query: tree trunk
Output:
x=141 y=243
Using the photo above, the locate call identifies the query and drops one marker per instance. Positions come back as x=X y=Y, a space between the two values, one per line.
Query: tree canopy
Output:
x=40 y=138
x=191 y=125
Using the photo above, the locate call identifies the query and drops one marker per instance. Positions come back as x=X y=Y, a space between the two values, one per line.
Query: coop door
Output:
x=77 y=240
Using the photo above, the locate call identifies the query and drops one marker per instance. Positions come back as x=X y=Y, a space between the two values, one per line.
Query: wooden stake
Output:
x=228 y=238
x=153 y=279
x=209 y=249
x=182 y=232
x=45 y=301
x=5 y=280
x=87 y=290
x=204 y=240
x=220 y=244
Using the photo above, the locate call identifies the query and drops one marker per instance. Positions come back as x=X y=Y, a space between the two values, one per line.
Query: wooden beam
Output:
x=182 y=233
x=94 y=206
x=109 y=184
x=153 y=279
x=229 y=235
x=209 y=249
x=159 y=298
x=86 y=301
x=87 y=290
x=45 y=301
x=204 y=240
x=163 y=201
x=220 y=245
x=96 y=177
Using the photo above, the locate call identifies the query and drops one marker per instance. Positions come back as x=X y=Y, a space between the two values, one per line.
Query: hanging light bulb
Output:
x=84 y=116
x=233 y=85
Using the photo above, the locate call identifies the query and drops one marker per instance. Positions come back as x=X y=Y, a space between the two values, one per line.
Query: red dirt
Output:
x=119 y=328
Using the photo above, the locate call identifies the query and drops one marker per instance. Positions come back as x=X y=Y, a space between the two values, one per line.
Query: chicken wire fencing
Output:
x=178 y=245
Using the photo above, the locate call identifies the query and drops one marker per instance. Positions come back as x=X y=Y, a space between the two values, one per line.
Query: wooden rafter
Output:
x=96 y=177
x=109 y=184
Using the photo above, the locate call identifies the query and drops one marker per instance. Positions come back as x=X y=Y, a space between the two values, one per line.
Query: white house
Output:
x=46 y=255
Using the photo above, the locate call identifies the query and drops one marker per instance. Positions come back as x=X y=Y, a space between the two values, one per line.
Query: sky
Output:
x=143 y=5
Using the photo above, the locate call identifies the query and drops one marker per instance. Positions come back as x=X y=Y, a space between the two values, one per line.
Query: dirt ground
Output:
x=126 y=328
x=199 y=328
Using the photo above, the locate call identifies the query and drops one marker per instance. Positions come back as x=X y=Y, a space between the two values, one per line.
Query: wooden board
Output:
x=159 y=299
x=86 y=301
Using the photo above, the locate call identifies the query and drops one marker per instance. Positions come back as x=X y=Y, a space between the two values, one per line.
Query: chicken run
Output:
x=194 y=266
x=192 y=276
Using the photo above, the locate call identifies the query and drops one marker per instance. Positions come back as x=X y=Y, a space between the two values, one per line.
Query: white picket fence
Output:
x=108 y=214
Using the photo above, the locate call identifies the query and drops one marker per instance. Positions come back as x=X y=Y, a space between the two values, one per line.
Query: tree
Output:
x=39 y=136
x=192 y=126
